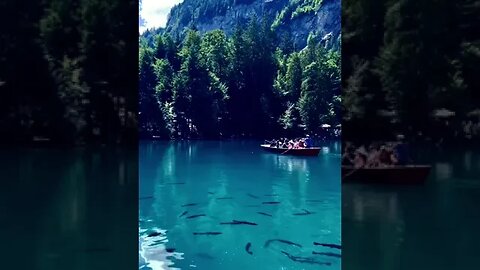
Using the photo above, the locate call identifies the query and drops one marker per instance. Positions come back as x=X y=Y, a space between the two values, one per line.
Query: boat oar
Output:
x=352 y=172
x=286 y=151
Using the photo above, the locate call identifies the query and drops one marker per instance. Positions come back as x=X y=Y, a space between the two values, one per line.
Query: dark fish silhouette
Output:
x=195 y=216
x=170 y=250
x=252 y=196
x=146 y=198
x=328 y=245
x=238 y=222
x=268 y=242
x=207 y=233
x=184 y=213
x=270 y=202
x=153 y=234
x=224 y=198
x=211 y=193
x=189 y=204
x=265 y=214
x=305 y=213
x=327 y=254
x=304 y=259
x=247 y=248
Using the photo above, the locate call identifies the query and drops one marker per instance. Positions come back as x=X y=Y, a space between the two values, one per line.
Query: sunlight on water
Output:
x=228 y=205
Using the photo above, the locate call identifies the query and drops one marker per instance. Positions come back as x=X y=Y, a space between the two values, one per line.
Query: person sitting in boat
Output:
x=291 y=144
x=308 y=142
x=384 y=157
x=373 y=159
x=302 y=143
x=348 y=156
x=360 y=159
x=272 y=143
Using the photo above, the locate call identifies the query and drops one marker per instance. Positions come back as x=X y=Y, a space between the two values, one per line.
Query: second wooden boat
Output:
x=312 y=151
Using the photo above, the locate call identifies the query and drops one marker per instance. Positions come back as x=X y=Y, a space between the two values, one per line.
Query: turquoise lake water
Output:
x=431 y=226
x=70 y=209
x=226 y=181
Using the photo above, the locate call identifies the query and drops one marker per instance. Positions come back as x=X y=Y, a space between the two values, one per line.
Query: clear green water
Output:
x=435 y=226
x=68 y=209
x=179 y=173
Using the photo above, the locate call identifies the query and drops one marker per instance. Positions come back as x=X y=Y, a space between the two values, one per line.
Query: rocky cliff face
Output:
x=298 y=18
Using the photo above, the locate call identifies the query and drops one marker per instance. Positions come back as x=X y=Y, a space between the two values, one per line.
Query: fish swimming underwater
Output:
x=184 y=213
x=238 y=222
x=247 y=248
x=252 y=196
x=224 y=198
x=268 y=242
x=328 y=245
x=304 y=259
x=195 y=216
x=305 y=213
x=153 y=234
x=327 y=254
x=189 y=204
x=265 y=214
x=270 y=202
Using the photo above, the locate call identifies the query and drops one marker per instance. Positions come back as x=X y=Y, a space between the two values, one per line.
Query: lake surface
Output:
x=68 y=209
x=226 y=181
x=434 y=226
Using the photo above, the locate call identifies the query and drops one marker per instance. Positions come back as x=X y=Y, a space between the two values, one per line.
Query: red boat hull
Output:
x=311 y=152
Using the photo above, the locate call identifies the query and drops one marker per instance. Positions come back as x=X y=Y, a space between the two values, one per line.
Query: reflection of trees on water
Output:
x=77 y=205
x=394 y=222
x=373 y=218
x=287 y=163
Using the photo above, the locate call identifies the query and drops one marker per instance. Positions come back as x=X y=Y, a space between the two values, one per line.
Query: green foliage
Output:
x=68 y=54
x=408 y=58
x=305 y=7
x=294 y=9
x=239 y=85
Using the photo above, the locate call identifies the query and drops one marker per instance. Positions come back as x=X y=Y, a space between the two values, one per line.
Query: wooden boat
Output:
x=312 y=151
x=410 y=174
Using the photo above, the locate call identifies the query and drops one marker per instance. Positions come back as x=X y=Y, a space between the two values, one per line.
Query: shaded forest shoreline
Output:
x=68 y=73
x=251 y=84
x=410 y=67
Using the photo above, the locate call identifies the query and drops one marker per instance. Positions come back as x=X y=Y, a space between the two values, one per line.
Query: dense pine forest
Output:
x=248 y=84
x=410 y=66
x=68 y=71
